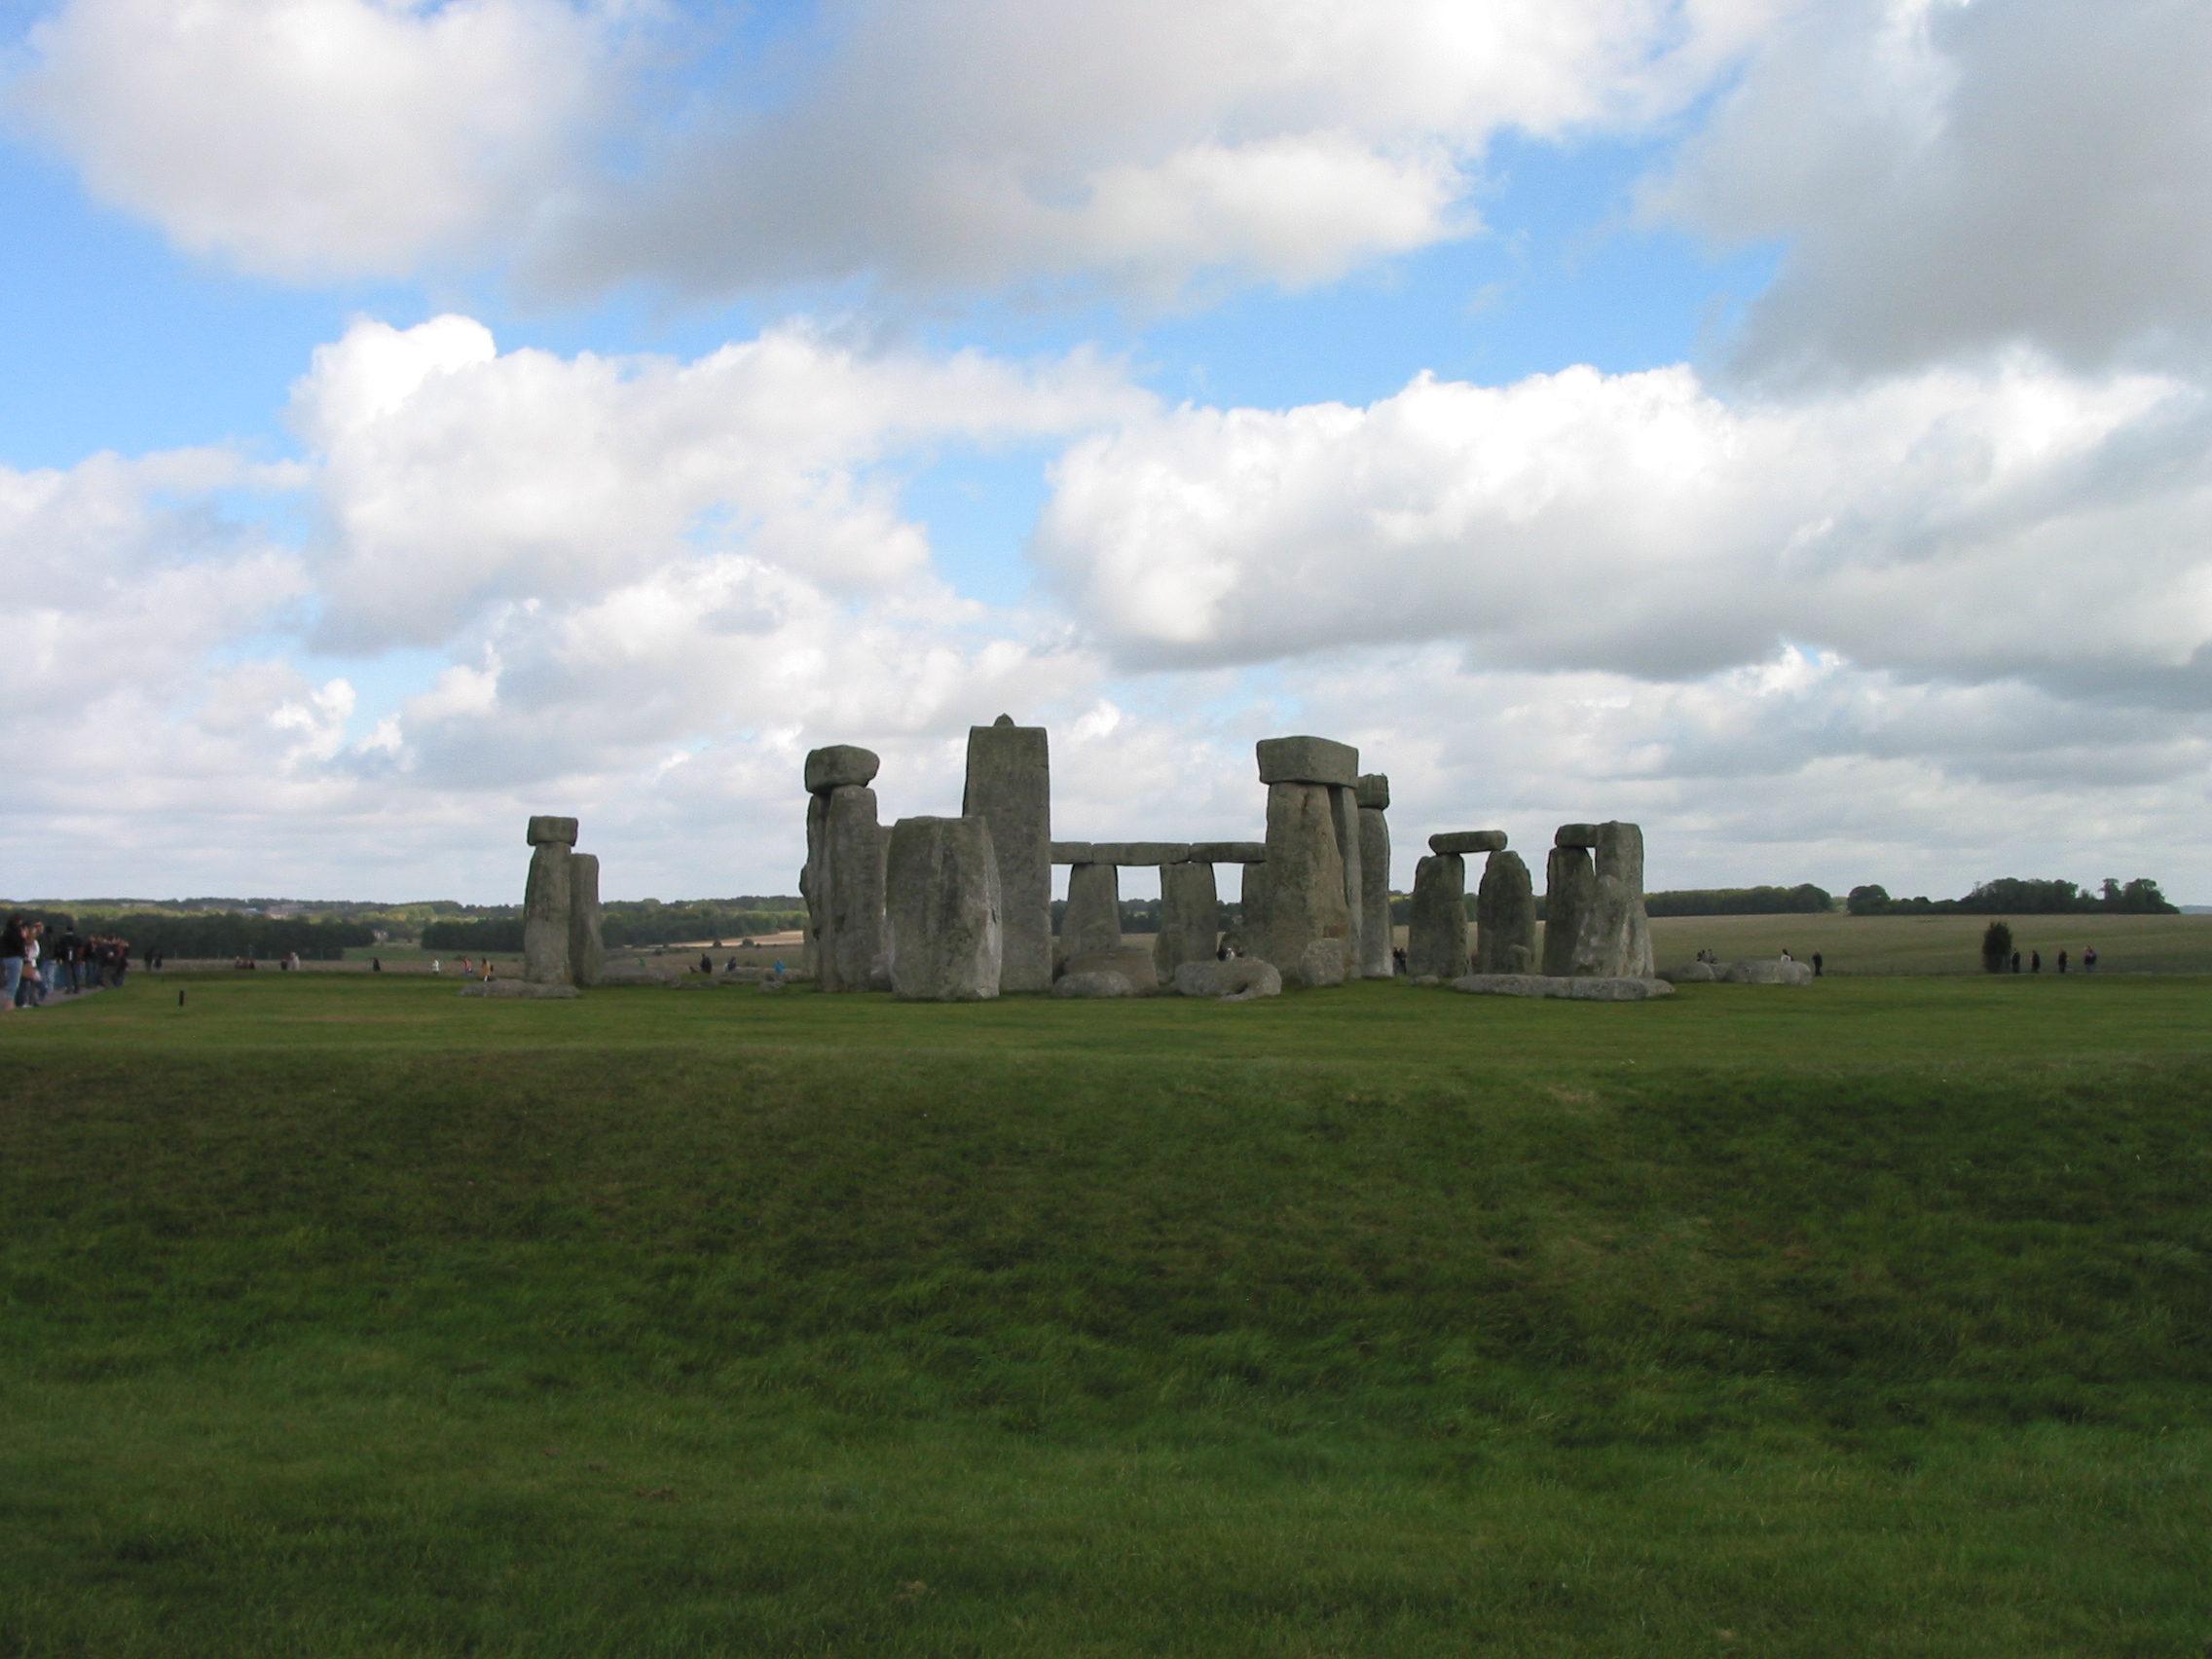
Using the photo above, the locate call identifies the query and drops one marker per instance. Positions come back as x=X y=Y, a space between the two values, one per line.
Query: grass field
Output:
x=344 y=1317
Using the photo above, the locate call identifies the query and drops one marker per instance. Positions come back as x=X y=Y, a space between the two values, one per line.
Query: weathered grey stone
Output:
x=848 y=882
x=1240 y=977
x=1570 y=881
x=1465 y=841
x=1308 y=760
x=943 y=905
x=1376 y=935
x=839 y=765
x=1613 y=937
x=1190 y=917
x=1571 y=990
x=516 y=988
x=1229 y=852
x=1305 y=882
x=1689 y=973
x=630 y=970
x=1344 y=804
x=1248 y=930
x=1102 y=982
x=1093 y=919
x=1373 y=791
x=1323 y=962
x=1139 y=851
x=546 y=831
x=1766 y=971
x=1505 y=919
x=1010 y=786
x=1584 y=836
x=545 y=915
x=1436 y=937
x=586 y=954
x=1132 y=962
x=1072 y=852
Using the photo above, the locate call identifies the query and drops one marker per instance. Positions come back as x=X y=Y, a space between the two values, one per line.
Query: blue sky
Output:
x=1723 y=415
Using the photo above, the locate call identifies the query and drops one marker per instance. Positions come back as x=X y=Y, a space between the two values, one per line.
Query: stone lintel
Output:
x=1465 y=841
x=1072 y=853
x=1308 y=760
x=552 y=832
x=1373 y=791
x=1229 y=852
x=1576 y=836
x=840 y=764
x=1140 y=852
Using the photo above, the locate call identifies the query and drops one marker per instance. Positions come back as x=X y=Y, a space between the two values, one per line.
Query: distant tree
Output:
x=1868 y=900
x=1996 y=947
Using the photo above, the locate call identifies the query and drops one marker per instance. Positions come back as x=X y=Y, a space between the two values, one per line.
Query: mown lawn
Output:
x=345 y=1316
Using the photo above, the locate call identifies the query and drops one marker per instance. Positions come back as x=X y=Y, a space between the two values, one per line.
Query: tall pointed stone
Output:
x=944 y=902
x=1436 y=941
x=587 y=954
x=1010 y=786
x=1375 y=933
x=545 y=901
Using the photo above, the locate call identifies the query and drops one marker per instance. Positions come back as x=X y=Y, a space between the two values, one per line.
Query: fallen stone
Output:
x=838 y=766
x=630 y=972
x=1570 y=990
x=942 y=892
x=1229 y=852
x=1436 y=937
x=1240 y=977
x=1584 y=836
x=1308 y=760
x=1103 y=984
x=1426 y=980
x=1689 y=973
x=1009 y=787
x=1373 y=791
x=1765 y=971
x=1132 y=962
x=523 y=988
x=552 y=832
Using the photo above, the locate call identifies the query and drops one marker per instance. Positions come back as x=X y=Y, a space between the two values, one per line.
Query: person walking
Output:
x=2088 y=959
x=2062 y=962
x=2034 y=960
x=1816 y=964
x=2015 y=962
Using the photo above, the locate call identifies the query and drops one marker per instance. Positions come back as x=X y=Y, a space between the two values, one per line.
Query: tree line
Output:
x=2014 y=895
x=215 y=933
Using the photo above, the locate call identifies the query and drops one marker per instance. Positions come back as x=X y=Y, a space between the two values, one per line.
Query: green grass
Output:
x=346 y=1316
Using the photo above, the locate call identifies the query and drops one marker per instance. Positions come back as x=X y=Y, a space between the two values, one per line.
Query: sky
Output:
x=1782 y=423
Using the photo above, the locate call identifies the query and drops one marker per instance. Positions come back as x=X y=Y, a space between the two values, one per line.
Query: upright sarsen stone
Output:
x=1570 y=884
x=1436 y=941
x=850 y=889
x=1304 y=879
x=1376 y=935
x=545 y=901
x=1612 y=938
x=944 y=902
x=1190 y=918
x=1505 y=918
x=1092 y=920
x=1009 y=787
x=587 y=954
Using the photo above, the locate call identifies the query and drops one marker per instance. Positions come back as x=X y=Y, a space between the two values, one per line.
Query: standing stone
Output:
x=1505 y=918
x=1305 y=876
x=1376 y=934
x=1436 y=943
x=1344 y=805
x=1009 y=787
x=1092 y=921
x=545 y=901
x=850 y=889
x=1613 y=937
x=943 y=898
x=587 y=954
x=1190 y=918
x=1570 y=884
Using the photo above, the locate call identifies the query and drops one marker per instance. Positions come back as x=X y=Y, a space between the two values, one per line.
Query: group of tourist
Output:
x=37 y=968
x=2035 y=960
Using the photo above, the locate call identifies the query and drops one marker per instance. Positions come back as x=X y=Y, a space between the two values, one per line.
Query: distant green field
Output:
x=344 y=1317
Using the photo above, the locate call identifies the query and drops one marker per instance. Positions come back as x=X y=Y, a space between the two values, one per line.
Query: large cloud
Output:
x=1950 y=177
x=2016 y=522
x=925 y=144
